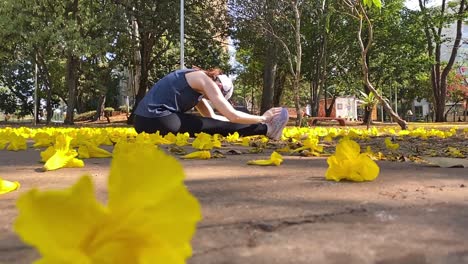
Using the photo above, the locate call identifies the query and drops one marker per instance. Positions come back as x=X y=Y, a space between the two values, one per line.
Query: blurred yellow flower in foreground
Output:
x=275 y=159
x=349 y=163
x=150 y=216
x=8 y=186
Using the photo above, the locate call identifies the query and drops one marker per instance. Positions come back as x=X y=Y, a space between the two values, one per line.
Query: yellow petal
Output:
x=275 y=159
x=59 y=160
x=390 y=145
x=182 y=139
x=17 y=142
x=203 y=154
x=47 y=154
x=74 y=163
x=56 y=222
x=203 y=141
x=83 y=152
x=147 y=195
x=8 y=186
x=91 y=151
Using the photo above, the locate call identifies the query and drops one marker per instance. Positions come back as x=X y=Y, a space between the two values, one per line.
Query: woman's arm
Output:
x=199 y=81
x=205 y=109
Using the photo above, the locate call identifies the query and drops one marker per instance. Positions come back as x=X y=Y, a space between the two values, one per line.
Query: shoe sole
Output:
x=284 y=115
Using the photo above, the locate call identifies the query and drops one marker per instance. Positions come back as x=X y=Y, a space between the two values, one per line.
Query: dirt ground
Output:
x=412 y=213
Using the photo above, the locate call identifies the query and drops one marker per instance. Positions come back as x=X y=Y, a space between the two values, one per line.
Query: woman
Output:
x=163 y=107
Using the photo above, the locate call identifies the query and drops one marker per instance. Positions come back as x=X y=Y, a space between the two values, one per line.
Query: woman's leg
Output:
x=181 y=123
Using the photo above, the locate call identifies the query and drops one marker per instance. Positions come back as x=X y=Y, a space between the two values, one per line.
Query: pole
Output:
x=182 y=35
x=35 y=93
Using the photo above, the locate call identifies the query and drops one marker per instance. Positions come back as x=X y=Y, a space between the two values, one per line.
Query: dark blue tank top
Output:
x=171 y=94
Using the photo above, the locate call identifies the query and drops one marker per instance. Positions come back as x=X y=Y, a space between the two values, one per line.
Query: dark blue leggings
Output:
x=181 y=123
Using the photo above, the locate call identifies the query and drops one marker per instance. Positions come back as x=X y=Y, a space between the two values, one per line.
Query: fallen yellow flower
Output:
x=87 y=151
x=8 y=186
x=349 y=163
x=150 y=216
x=275 y=159
x=202 y=154
x=203 y=141
x=17 y=142
x=390 y=145
x=64 y=156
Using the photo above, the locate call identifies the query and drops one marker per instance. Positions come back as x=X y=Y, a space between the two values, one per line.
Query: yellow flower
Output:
x=64 y=156
x=46 y=154
x=454 y=152
x=202 y=154
x=150 y=216
x=8 y=186
x=312 y=144
x=87 y=150
x=182 y=139
x=390 y=145
x=217 y=141
x=170 y=137
x=17 y=142
x=203 y=141
x=233 y=138
x=275 y=159
x=349 y=163
x=43 y=139
x=246 y=141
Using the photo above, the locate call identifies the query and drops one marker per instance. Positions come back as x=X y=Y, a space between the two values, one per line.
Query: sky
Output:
x=414 y=4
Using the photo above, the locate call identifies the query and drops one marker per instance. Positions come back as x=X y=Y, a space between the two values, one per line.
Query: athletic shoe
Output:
x=277 y=124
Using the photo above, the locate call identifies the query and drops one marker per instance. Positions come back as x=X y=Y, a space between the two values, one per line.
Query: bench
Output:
x=313 y=120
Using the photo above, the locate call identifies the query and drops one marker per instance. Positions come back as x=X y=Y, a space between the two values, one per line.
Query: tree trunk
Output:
x=71 y=83
x=318 y=80
x=46 y=79
x=269 y=74
x=298 y=57
x=367 y=118
x=465 y=109
x=137 y=54
x=279 y=88
x=144 y=56
x=365 y=69
x=438 y=78
x=100 y=108
x=329 y=109
x=71 y=77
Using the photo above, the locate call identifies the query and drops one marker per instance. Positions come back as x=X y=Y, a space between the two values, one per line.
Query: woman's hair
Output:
x=212 y=73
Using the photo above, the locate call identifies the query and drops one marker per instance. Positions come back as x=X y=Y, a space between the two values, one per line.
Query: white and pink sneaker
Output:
x=277 y=124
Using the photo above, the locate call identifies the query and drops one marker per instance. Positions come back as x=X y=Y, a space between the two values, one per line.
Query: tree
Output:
x=7 y=102
x=358 y=10
x=276 y=20
x=435 y=20
x=457 y=91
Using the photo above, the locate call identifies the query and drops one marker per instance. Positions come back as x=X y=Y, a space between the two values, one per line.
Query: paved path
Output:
x=290 y=214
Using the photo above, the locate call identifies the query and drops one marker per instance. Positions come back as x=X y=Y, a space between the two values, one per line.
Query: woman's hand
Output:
x=272 y=112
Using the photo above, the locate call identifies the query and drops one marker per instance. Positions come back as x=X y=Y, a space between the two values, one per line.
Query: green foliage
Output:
x=109 y=109
x=123 y=109
x=369 y=101
x=7 y=102
x=371 y=3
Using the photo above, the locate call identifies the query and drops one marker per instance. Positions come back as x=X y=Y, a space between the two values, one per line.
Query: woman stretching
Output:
x=164 y=107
